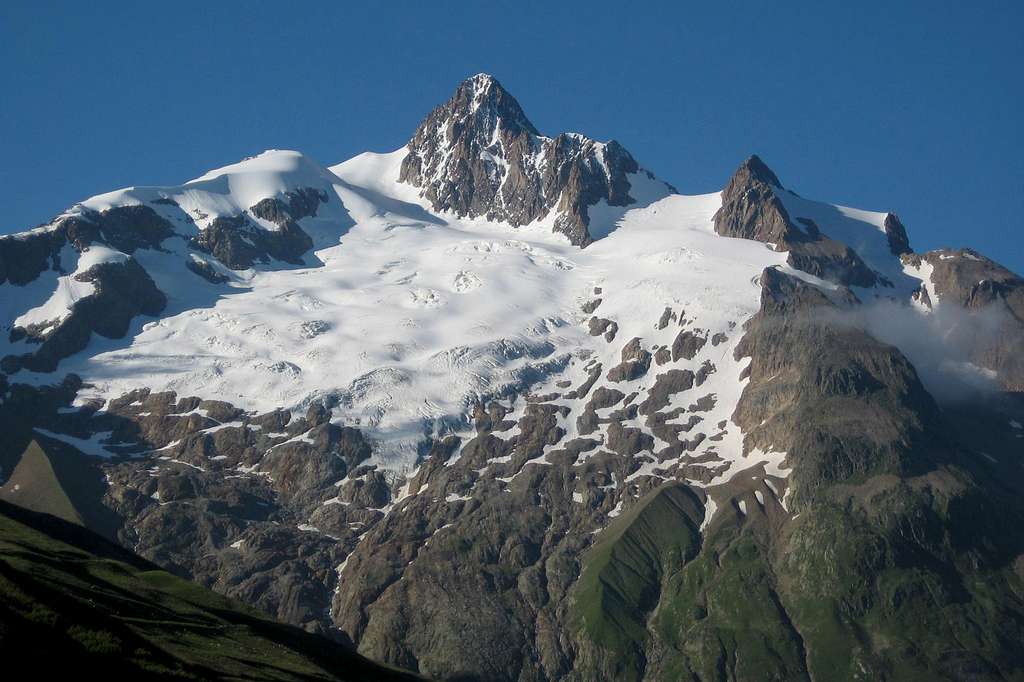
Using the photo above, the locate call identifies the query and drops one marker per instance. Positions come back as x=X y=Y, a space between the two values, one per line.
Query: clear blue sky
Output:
x=914 y=107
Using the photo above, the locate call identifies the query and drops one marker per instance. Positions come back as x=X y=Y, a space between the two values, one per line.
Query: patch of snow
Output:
x=89 y=446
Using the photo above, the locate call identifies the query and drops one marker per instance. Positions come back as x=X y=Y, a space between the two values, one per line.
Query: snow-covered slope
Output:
x=401 y=318
x=410 y=318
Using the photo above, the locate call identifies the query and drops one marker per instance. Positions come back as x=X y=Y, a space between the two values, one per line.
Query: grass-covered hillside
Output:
x=72 y=601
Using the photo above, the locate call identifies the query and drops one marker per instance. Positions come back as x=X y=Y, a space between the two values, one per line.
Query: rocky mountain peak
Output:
x=753 y=168
x=750 y=207
x=481 y=104
x=899 y=243
x=478 y=155
x=754 y=207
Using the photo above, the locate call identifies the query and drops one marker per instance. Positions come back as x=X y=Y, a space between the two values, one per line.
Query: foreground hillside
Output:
x=71 y=601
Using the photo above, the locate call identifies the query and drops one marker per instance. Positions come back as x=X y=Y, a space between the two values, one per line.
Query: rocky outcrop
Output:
x=24 y=256
x=871 y=457
x=751 y=209
x=896 y=234
x=992 y=332
x=635 y=362
x=478 y=155
x=123 y=290
x=801 y=349
x=239 y=242
x=125 y=228
x=250 y=505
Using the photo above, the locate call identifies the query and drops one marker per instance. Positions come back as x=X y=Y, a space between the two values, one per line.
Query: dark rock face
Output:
x=215 y=494
x=751 y=209
x=240 y=243
x=206 y=270
x=23 y=257
x=806 y=358
x=478 y=155
x=993 y=297
x=123 y=291
x=832 y=261
x=125 y=228
x=687 y=344
x=871 y=456
x=635 y=363
x=899 y=244
x=598 y=326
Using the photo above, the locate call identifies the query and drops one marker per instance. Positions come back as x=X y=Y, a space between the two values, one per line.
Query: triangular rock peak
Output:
x=756 y=206
x=478 y=155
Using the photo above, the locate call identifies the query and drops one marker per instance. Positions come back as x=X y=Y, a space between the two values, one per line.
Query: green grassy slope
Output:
x=622 y=578
x=70 y=600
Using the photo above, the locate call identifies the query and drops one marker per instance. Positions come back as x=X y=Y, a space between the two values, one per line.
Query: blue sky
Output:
x=913 y=107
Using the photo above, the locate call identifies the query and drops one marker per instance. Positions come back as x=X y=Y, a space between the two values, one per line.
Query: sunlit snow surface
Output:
x=412 y=317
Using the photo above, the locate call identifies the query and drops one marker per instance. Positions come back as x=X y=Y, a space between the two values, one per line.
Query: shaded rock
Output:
x=122 y=291
x=686 y=345
x=635 y=363
x=751 y=209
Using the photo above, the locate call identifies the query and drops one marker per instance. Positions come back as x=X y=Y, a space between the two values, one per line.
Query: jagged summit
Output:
x=478 y=155
x=757 y=169
x=844 y=246
x=484 y=100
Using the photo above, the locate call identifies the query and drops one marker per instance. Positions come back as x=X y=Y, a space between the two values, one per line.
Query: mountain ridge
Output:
x=399 y=400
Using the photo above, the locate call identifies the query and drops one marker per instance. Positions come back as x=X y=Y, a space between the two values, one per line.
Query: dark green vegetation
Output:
x=901 y=556
x=70 y=600
x=622 y=578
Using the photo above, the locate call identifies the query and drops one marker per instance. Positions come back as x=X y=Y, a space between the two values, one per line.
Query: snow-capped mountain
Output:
x=473 y=384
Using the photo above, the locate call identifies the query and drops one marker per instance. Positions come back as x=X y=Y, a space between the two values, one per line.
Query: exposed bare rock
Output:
x=635 y=362
x=665 y=385
x=122 y=291
x=993 y=297
x=687 y=344
x=605 y=397
x=666 y=317
x=205 y=270
x=125 y=228
x=899 y=244
x=751 y=209
x=239 y=242
x=478 y=155
x=706 y=369
x=801 y=364
x=599 y=326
